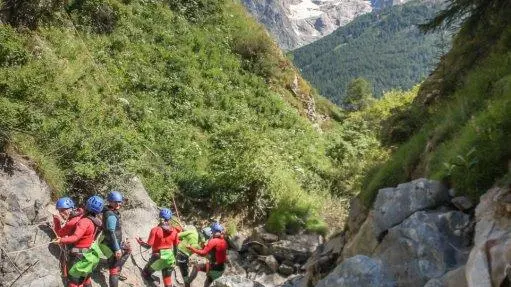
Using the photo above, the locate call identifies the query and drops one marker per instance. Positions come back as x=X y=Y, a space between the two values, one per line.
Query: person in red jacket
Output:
x=67 y=212
x=216 y=250
x=82 y=238
x=163 y=239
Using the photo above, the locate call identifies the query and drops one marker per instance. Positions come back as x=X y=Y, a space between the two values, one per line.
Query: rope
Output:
x=24 y=271
x=34 y=247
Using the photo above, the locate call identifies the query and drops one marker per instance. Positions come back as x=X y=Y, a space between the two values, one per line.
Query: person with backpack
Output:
x=163 y=239
x=84 y=254
x=112 y=245
x=216 y=250
x=188 y=237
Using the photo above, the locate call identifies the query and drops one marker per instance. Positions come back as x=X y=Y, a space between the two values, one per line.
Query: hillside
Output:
x=458 y=128
x=176 y=93
x=385 y=47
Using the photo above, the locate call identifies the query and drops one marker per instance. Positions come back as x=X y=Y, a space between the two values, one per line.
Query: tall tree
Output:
x=359 y=94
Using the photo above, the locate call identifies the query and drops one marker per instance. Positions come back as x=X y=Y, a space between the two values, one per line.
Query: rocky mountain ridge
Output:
x=295 y=23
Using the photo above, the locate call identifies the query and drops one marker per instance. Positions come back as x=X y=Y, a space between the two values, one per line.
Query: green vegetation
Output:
x=384 y=47
x=190 y=96
x=465 y=128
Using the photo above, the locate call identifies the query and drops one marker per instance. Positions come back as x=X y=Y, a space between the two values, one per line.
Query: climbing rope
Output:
x=33 y=247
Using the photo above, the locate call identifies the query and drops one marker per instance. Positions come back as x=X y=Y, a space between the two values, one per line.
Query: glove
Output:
x=142 y=243
x=118 y=254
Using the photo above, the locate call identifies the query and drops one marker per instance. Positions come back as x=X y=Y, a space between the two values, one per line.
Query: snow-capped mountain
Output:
x=295 y=23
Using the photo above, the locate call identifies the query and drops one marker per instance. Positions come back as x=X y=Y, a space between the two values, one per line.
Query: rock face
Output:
x=490 y=258
x=23 y=214
x=412 y=236
x=358 y=271
x=295 y=23
x=25 y=207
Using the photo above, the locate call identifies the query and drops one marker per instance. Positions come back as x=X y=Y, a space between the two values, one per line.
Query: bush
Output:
x=95 y=15
x=28 y=13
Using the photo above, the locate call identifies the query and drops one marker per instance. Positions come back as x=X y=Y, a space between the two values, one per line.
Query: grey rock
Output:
x=462 y=203
x=286 y=270
x=365 y=240
x=425 y=246
x=22 y=229
x=358 y=271
x=235 y=281
x=296 y=248
x=393 y=205
x=236 y=242
x=269 y=237
x=490 y=257
x=454 y=278
x=270 y=261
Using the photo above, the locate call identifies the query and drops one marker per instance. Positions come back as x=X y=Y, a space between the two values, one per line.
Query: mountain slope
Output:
x=191 y=96
x=458 y=128
x=384 y=47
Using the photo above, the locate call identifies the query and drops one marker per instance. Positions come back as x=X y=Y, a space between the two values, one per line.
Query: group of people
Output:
x=95 y=230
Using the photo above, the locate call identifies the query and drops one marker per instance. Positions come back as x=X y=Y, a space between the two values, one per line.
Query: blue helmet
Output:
x=217 y=227
x=95 y=204
x=114 y=196
x=64 y=203
x=165 y=213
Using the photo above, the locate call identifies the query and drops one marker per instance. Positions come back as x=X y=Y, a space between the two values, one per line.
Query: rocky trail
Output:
x=417 y=234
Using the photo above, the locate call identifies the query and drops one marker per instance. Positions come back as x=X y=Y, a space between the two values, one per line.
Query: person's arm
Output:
x=150 y=241
x=204 y=251
x=57 y=227
x=81 y=227
x=183 y=234
x=111 y=223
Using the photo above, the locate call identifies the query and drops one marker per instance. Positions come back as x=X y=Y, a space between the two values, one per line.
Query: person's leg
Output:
x=113 y=271
x=182 y=263
x=208 y=281
x=148 y=271
x=167 y=277
x=87 y=282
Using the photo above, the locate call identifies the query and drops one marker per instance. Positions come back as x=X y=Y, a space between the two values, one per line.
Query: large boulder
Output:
x=491 y=254
x=393 y=205
x=295 y=248
x=358 y=271
x=426 y=245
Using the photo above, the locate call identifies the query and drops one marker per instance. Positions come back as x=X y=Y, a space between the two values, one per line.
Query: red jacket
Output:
x=69 y=226
x=217 y=248
x=162 y=239
x=83 y=235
